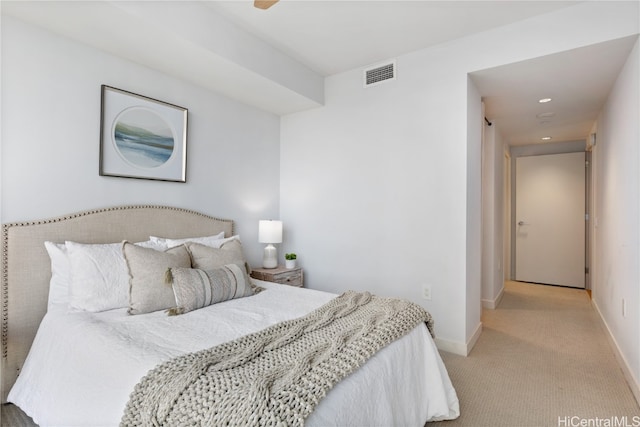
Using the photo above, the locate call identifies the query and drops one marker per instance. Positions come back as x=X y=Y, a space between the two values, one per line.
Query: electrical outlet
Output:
x=426 y=292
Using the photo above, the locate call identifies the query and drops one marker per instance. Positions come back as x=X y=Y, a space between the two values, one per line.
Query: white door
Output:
x=550 y=219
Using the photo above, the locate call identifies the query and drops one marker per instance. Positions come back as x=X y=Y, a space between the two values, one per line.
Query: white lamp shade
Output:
x=270 y=231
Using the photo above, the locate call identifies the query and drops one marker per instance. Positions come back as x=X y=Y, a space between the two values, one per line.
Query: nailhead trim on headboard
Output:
x=5 y=248
x=5 y=288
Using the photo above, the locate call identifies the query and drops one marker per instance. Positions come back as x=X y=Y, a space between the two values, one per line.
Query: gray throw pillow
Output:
x=208 y=258
x=149 y=289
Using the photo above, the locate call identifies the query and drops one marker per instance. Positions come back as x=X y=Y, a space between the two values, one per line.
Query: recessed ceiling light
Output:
x=546 y=138
x=545 y=115
x=544 y=100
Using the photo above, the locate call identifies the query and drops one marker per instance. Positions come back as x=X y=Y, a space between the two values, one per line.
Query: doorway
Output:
x=549 y=230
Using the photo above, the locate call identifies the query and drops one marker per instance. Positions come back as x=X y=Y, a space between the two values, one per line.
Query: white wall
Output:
x=492 y=216
x=373 y=201
x=374 y=187
x=50 y=138
x=616 y=177
x=506 y=212
x=473 y=292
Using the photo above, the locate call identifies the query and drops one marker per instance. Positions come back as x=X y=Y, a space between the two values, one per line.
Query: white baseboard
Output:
x=474 y=338
x=462 y=349
x=492 y=304
x=451 y=346
x=622 y=361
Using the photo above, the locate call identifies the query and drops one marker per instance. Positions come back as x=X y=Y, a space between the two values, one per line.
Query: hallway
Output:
x=543 y=359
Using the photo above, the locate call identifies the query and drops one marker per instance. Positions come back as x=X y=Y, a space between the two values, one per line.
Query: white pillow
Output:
x=60 y=274
x=218 y=243
x=213 y=241
x=99 y=277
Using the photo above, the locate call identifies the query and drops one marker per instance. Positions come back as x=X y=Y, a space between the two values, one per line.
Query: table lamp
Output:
x=270 y=231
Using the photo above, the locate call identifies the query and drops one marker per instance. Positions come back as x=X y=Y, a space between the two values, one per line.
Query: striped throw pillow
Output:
x=196 y=288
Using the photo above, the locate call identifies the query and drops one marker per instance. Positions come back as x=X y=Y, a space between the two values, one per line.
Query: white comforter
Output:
x=82 y=366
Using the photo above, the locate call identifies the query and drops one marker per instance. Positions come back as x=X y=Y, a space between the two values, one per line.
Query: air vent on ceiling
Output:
x=379 y=74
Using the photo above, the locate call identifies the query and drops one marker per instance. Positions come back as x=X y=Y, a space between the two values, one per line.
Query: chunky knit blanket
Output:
x=275 y=376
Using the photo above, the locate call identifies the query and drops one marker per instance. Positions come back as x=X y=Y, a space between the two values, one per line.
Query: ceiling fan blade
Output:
x=264 y=4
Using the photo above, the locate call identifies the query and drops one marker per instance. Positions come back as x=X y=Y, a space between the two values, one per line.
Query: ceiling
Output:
x=335 y=36
x=331 y=36
x=577 y=81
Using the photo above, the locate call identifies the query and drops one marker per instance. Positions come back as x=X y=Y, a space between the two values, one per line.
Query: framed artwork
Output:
x=142 y=137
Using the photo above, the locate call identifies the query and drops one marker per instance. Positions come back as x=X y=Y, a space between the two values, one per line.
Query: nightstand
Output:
x=280 y=274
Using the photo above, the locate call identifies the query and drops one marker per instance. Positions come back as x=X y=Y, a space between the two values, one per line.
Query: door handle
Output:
x=522 y=223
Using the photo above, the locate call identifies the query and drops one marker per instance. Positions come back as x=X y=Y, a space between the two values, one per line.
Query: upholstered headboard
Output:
x=26 y=268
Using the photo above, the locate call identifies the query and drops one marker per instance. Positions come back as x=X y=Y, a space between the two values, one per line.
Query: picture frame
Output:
x=142 y=137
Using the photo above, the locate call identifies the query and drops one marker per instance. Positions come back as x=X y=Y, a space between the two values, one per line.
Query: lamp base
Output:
x=270 y=257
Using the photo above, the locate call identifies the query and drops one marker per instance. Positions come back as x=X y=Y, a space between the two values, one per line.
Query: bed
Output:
x=76 y=367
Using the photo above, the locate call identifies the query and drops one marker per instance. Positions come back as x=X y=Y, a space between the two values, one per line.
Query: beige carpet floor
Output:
x=543 y=359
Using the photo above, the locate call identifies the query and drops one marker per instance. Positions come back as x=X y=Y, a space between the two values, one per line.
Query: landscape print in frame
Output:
x=142 y=137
